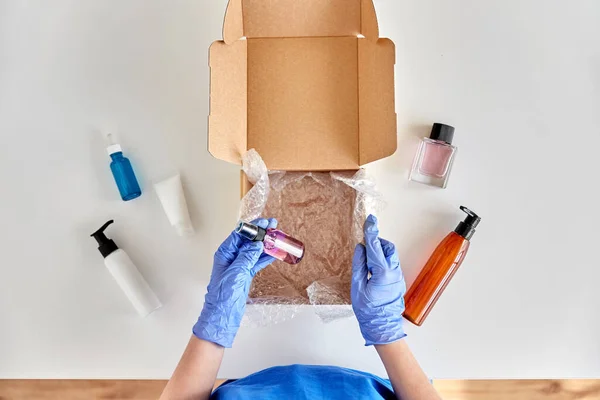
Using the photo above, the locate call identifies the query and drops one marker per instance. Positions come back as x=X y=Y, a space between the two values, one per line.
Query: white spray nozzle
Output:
x=112 y=145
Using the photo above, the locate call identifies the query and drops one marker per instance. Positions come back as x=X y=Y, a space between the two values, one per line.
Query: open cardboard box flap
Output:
x=307 y=83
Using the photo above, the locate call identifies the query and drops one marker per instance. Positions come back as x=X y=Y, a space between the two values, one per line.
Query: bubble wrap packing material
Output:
x=324 y=210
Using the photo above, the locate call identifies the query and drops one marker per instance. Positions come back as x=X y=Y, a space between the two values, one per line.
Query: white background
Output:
x=520 y=80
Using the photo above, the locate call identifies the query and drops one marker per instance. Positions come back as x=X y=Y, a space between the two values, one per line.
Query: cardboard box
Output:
x=310 y=85
x=307 y=83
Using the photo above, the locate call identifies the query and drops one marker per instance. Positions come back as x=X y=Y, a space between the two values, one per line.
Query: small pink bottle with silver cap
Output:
x=276 y=243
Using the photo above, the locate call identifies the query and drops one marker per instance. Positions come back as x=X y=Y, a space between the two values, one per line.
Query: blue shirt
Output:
x=306 y=382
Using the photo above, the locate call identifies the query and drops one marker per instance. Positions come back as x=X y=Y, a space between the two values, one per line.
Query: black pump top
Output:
x=105 y=245
x=444 y=133
x=467 y=227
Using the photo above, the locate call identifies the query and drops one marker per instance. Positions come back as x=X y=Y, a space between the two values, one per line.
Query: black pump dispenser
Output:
x=106 y=246
x=467 y=227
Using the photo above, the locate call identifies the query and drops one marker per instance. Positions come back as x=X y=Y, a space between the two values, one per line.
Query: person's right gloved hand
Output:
x=378 y=300
x=235 y=263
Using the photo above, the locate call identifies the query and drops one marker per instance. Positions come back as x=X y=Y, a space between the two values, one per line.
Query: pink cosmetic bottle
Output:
x=435 y=156
x=277 y=243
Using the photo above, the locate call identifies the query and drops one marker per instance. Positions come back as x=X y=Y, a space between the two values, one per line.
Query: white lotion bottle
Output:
x=126 y=274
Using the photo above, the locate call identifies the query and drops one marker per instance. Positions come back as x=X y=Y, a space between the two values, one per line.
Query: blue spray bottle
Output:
x=122 y=171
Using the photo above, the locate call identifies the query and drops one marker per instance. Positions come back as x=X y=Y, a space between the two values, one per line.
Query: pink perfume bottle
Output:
x=435 y=156
x=277 y=243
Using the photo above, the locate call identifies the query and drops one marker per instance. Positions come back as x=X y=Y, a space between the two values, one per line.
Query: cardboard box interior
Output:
x=308 y=84
x=320 y=212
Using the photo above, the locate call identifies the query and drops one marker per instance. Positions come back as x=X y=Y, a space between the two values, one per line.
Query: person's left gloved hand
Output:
x=235 y=263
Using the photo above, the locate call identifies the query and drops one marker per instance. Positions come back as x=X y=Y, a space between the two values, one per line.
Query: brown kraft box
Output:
x=307 y=83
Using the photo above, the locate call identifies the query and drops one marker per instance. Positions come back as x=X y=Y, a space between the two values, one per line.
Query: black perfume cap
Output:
x=441 y=132
x=467 y=227
x=251 y=231
x=105 y=245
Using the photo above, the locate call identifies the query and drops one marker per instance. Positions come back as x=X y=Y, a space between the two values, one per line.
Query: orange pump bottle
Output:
x=439 y=270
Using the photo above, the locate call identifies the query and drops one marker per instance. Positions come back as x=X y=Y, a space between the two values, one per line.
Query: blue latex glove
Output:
x=378 y=300
x=235 y=263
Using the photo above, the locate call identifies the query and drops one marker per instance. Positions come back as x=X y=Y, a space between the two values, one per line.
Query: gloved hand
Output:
x=378 y=301
x=235 y=263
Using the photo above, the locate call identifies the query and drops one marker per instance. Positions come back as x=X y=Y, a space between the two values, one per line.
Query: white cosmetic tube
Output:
x=170 y=194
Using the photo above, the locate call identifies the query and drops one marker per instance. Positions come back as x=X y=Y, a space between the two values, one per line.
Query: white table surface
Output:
x=519 y=79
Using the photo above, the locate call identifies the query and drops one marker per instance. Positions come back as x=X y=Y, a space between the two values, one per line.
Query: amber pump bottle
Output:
x=439 y=270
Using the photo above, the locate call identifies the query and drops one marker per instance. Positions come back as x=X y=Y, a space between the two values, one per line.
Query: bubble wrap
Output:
x=324 y=210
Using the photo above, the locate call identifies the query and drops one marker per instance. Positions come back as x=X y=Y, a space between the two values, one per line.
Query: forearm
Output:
x=407 y=377
x=196 y=372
